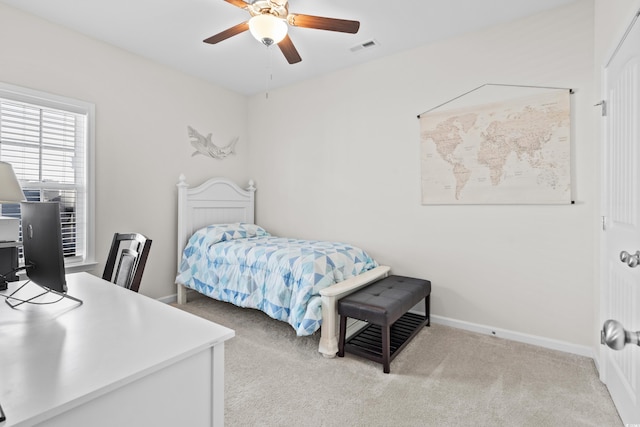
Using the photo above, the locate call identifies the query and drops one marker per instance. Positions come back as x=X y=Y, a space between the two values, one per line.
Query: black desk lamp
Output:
x=10 y=192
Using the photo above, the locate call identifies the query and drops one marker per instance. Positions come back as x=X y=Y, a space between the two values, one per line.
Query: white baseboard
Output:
x=549 y=343
x=169 y=299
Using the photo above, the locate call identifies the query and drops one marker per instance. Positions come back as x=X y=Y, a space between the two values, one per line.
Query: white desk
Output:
x=119 y=359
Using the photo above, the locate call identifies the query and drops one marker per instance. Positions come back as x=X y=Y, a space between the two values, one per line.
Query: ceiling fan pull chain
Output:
x=269 y=75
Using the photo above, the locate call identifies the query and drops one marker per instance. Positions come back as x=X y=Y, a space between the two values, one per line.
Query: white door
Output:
x=620 y=364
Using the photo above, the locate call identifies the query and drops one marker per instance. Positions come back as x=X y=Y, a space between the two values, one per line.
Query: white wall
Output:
x=338 y=158
x=143 y=110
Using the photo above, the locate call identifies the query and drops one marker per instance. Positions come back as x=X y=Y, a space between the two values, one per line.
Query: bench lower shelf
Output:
x=367 y=342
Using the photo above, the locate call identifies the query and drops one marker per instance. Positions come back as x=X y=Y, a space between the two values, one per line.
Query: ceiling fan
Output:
x=269 y=24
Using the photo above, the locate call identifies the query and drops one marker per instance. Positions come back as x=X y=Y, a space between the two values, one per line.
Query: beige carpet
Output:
x=444 y=377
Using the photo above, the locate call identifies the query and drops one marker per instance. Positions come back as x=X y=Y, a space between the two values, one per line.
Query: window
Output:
x=49 y=141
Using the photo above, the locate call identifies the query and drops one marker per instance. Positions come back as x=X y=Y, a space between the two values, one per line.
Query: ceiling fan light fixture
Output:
x=268 y=29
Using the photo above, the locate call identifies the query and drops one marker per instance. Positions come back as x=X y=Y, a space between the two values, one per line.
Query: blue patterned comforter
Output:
x=246 y=266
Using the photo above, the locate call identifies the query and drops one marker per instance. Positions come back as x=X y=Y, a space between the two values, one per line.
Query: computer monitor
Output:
x=42 y=248
x=42 y=244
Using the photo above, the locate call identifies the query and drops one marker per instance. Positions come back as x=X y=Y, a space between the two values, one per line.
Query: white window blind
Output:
x=46 y=141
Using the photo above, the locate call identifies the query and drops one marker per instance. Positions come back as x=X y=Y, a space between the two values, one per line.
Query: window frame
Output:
x=47 y=100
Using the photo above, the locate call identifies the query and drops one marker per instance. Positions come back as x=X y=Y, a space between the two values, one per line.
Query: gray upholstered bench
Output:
x=385 y=305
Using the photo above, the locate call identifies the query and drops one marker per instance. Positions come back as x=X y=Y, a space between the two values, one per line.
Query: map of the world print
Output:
x=514 y=150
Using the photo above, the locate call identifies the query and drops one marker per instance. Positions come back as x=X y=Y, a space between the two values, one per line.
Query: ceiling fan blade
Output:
x=238 y=3
x=230 y=32
x=321 y=23
x=289 y=50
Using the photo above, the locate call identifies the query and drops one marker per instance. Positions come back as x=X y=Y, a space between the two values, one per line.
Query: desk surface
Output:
x=56 y=357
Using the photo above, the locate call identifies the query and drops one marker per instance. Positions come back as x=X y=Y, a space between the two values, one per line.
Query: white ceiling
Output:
x=171 y=32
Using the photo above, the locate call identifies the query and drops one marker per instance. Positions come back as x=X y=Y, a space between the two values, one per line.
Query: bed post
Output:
x=251 y=190
x=182 y=231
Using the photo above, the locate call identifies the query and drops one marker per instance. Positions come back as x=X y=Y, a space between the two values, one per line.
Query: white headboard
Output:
x=216 y=201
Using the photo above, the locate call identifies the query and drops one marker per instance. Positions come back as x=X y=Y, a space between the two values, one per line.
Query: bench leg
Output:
x=386 y=348
x=341 y=338
x=427 y=309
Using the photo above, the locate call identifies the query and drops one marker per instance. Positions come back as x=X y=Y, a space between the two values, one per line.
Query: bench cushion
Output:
x=384 y=301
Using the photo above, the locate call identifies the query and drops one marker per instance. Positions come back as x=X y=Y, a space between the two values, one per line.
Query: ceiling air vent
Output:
x=369 y=44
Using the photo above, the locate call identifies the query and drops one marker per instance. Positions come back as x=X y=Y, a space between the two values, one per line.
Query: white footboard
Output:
x=329 y=332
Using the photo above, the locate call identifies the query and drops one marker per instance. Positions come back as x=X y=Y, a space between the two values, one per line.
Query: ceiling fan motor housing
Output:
x=279 y=9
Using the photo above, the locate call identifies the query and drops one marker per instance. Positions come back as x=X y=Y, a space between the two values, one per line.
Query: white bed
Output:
x=221 y=201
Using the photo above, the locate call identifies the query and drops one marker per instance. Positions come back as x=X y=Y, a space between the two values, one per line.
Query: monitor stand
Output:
x=31 y=299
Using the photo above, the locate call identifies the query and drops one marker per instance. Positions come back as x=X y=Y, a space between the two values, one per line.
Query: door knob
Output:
x=634 y=260
x=624 y=256
x=631 y=260
x=616 y=337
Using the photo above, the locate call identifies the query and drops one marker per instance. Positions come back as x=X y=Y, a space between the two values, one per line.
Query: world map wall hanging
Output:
x=498 y=144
